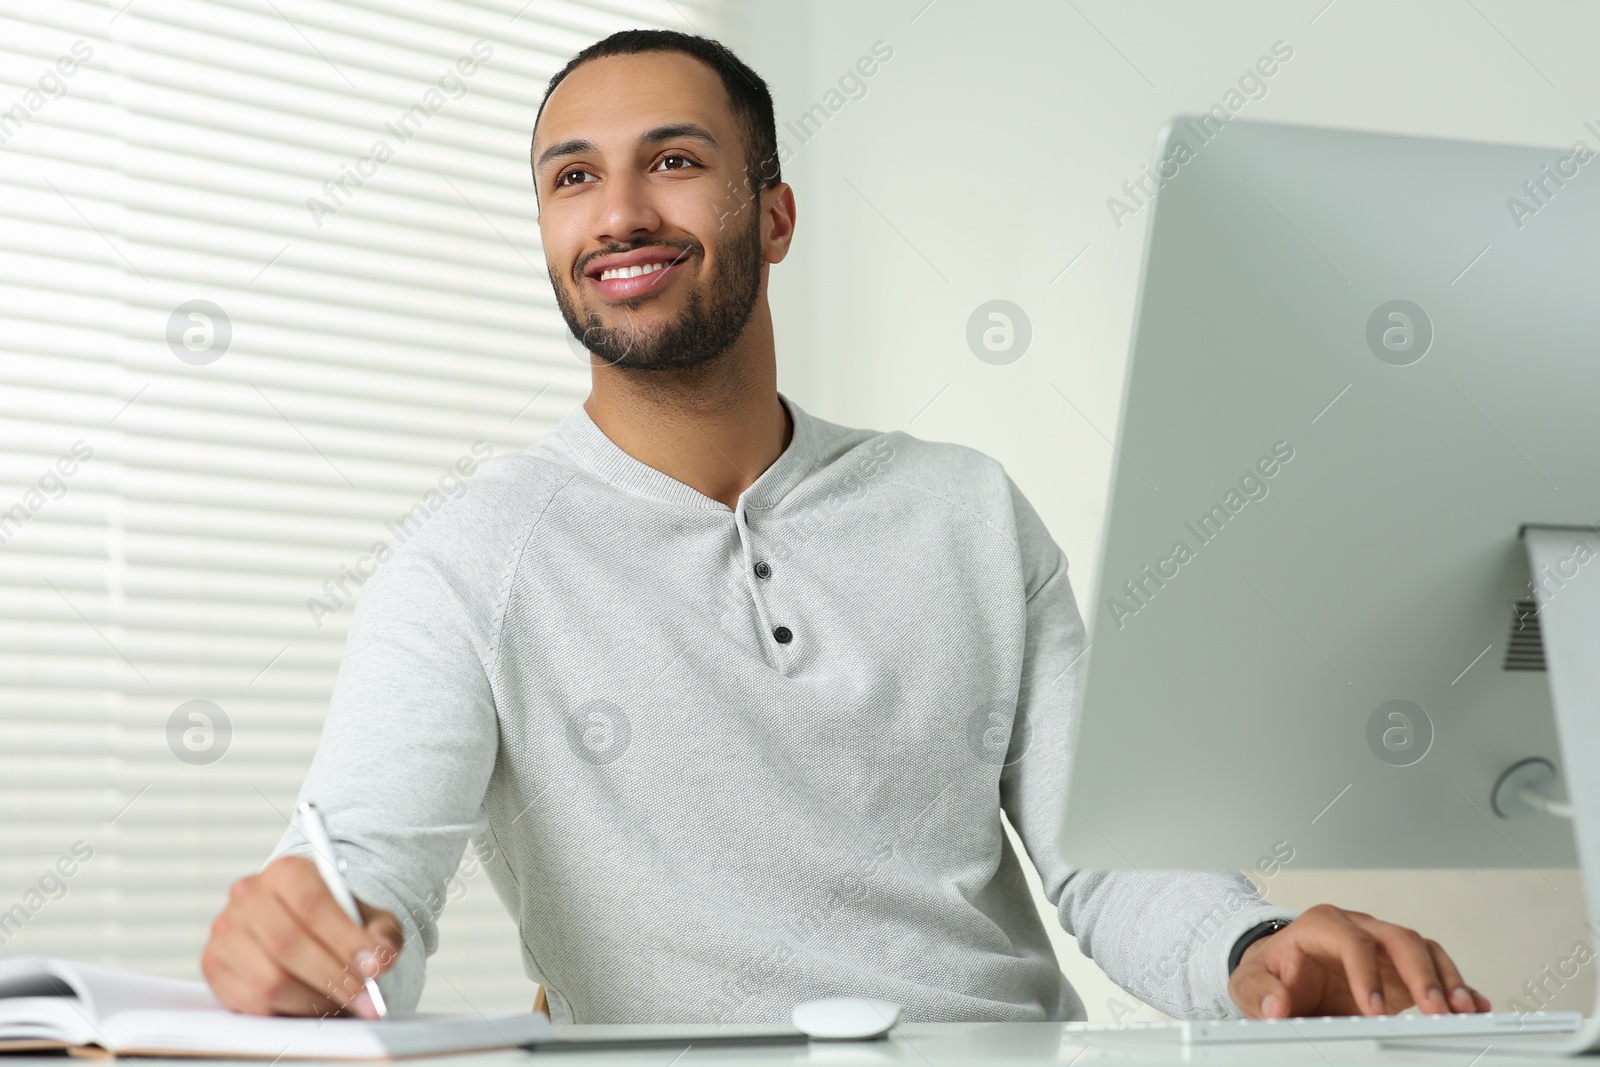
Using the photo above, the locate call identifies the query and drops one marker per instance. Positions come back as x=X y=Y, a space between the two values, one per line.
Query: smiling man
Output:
x=734 y=701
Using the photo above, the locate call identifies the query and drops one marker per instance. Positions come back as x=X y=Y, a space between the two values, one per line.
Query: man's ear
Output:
x=777 y=221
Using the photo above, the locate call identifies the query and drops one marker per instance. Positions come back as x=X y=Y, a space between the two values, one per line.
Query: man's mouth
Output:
x=631 y=274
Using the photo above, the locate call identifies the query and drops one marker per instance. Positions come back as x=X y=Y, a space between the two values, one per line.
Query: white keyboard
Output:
x=1339 y=1028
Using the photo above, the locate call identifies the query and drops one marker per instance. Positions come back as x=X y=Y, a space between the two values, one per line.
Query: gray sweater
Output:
x=718 y=762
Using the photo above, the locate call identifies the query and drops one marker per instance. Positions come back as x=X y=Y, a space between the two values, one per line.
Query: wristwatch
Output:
x=1250 y=937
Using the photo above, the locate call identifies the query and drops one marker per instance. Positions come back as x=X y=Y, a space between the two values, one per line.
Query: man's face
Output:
x=651 y=232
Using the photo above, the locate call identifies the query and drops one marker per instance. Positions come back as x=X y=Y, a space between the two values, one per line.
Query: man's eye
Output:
x=685 y=160
x=575 y=172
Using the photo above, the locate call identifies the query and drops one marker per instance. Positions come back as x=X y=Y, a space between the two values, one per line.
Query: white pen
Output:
x=322 y=852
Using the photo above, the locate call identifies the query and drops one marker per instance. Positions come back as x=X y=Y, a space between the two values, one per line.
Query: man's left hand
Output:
x=1330 y=961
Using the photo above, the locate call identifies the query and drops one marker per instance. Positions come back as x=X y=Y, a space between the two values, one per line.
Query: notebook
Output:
x=50 y=1003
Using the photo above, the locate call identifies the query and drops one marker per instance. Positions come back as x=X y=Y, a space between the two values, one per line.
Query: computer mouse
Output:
x=845 y=1018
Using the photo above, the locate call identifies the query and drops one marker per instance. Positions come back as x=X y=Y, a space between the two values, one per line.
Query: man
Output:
x=732 y=698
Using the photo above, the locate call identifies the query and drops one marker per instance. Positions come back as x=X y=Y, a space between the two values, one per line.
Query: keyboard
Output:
x=1339 y=1028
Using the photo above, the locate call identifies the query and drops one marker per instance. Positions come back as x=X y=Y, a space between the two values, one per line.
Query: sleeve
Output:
x=409 y=743
x=1164 y=936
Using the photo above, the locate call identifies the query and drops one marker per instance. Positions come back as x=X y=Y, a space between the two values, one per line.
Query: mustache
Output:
x=684 y=248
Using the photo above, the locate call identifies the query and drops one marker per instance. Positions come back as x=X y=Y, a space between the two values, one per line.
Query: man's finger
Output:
x=1412 y=961
x=385 y=929
x=1462 y=997
x=297 y=883
x=1357 y=950
x=1259 y=993
x=262 y=987
x=234 y=992
x=291 y=947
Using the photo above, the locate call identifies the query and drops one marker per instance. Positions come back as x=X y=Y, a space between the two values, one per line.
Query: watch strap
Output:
x=1250 y=937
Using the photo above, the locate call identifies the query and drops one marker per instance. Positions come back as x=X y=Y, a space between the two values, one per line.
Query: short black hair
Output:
x=748 y=96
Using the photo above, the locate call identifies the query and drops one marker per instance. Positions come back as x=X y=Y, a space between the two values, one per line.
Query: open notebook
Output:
x=52 y=1004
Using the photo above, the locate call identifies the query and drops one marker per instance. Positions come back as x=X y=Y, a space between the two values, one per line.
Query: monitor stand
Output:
x=1569 y=623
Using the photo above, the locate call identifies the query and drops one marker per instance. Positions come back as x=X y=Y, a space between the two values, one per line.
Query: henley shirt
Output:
x=717 y=762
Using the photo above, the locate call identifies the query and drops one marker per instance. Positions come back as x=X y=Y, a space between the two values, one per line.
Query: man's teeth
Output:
x=631 y=272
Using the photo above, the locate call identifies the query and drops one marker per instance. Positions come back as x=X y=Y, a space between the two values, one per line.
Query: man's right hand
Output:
x=283 y=946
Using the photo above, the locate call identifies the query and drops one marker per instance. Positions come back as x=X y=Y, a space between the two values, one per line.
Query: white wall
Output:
x=978 y=164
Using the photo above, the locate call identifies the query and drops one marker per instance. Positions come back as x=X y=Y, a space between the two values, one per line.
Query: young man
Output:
x=732 y=698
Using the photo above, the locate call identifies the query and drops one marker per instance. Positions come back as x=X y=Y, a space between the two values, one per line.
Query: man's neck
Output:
x=715 y=429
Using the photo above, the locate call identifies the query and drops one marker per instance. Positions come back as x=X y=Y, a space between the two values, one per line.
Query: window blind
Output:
x=269 y=274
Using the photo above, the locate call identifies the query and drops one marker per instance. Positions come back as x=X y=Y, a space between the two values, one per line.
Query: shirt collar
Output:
x=581 y=438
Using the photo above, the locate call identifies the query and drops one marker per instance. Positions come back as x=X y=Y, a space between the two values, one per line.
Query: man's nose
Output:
x=627 y=210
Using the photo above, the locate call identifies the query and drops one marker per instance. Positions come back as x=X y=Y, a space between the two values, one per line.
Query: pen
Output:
x=322 y=852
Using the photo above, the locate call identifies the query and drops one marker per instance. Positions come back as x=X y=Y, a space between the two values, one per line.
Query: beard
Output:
x=713 y=318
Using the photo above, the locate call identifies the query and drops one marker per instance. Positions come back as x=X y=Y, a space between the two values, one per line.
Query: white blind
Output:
x=268 y=272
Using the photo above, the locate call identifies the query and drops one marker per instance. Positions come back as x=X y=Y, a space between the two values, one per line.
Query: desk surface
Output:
x=955 y=1045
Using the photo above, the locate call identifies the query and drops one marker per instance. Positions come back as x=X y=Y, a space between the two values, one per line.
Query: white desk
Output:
x=942 y=1044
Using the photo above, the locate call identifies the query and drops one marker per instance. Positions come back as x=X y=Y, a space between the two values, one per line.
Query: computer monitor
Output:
x=1361 y=364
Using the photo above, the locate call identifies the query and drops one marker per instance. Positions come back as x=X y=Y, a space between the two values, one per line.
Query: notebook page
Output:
x=225 y=1033
x=101 y=991
x=46 y=1018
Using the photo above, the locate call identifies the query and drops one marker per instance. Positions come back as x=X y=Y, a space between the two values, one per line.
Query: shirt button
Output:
x=762 y=570
x=783 y=635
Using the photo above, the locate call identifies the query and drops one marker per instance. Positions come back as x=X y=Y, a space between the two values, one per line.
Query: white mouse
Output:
x=845 y=1018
